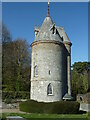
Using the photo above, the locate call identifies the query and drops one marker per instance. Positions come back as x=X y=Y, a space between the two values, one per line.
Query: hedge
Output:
x=61 y=107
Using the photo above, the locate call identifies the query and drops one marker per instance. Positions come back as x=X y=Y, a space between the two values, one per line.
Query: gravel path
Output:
x=11 y=111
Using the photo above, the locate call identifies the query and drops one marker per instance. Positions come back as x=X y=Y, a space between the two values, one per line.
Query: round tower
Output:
x=49 y=63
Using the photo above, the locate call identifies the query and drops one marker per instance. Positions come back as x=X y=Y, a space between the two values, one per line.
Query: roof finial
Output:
x=48 y=10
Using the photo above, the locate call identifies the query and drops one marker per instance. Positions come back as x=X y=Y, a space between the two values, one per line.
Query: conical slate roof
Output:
x=63 y=34
x=48 y=31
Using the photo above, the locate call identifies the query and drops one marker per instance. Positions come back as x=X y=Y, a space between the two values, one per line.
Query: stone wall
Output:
x=49 y=57
x=39 y=91
x=85 y=107
x=85 y=98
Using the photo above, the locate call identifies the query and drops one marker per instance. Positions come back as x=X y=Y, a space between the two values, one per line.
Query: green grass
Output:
x=30 y=116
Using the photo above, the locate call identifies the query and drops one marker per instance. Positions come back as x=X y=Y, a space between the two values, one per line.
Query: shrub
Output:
x=61 y=107
x=8 y=101
x=88 y=113
x=10 y=95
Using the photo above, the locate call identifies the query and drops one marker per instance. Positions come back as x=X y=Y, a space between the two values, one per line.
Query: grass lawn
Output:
x=30 y=116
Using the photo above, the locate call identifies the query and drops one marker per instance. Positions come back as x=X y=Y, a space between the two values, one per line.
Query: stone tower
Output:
x=51 y=61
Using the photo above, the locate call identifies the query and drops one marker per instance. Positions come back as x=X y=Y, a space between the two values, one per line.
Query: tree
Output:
x=79 y=76
x=16 y=63
x=20 y=55
x=6 y=36
x=6 y=40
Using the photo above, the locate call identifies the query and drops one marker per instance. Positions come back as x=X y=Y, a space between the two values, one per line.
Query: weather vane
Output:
x=48 y=2
x=48 y=9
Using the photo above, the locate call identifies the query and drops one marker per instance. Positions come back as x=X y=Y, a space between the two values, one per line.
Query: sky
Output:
x=21 y=17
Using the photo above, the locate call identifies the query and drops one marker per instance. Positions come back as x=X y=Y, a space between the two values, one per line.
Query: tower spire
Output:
x=48 y=10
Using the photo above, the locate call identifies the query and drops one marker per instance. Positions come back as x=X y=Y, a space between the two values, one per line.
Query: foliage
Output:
x=79 y=76
x=81 y=67
x=9 y=96
x=63 y=107
x=6 y=36
x=15 y=63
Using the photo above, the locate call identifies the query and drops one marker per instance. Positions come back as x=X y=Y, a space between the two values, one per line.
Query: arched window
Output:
x=81 y=98
x=35 y=71
x=49 y=89
x=49 y=72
